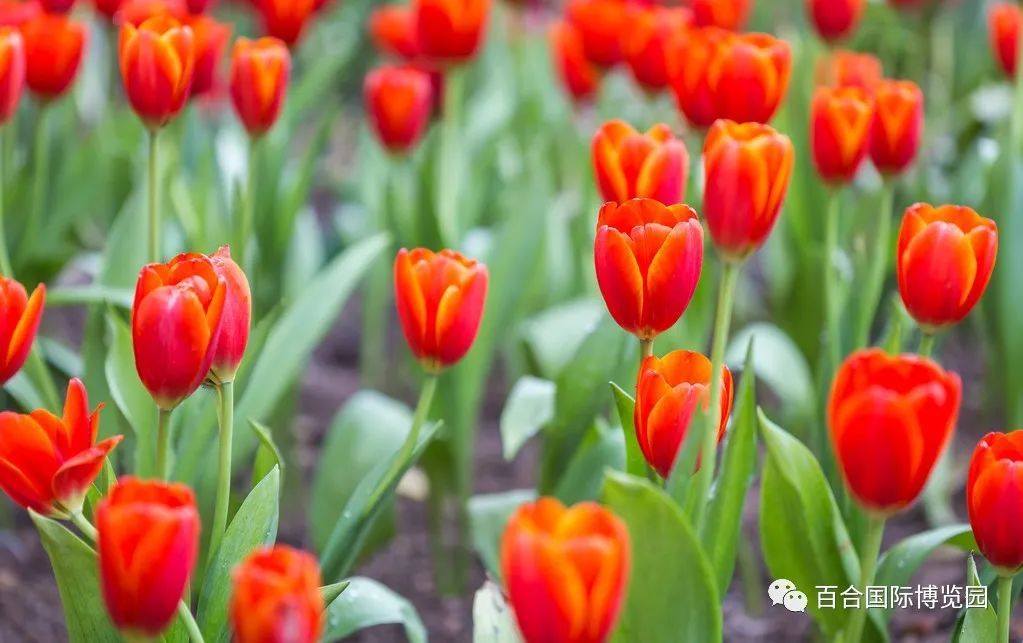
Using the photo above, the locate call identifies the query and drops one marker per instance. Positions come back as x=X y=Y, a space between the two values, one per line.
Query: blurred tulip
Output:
x=890 y=418
x=599 y=24
x=630 y=165
x=276 y=597
x=667 y=393
x=135 y=12
x=14 y=13
x=579 y=76
x=747 y=168
x=994 y=497
x=18 y=324
x=236 y=317
x=57 y=6
x=647 y=44
x=944 y=262
x=176 y=323
x=840 y=119
x=147 y=545
x=1003 y=26
x=157 y=67
x=850 y=69
x=286 y=20
x=726 y=14
x=450 y=31
x=210 y=42
x=393 y=29
x=398 y=101
x=54 y=47
x=260 y=71
x=12 y=71
x=566 y=570
x=196 y=7
x=835 y=19
x=897 y=125
x=48 y=463
x=108 y=8
x=648 y=259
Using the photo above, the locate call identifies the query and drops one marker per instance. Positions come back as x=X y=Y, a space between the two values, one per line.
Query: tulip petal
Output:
x=937 y=273
x=77 y=474
x=619 y=278
x=995 y=512
x=672 y=276
x=25 y=332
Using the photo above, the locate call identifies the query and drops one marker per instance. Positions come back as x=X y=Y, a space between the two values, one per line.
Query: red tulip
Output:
x=631 y=165
x=210 y=41
x=157 y=68
x=579 y=76
x=286 y=20
x=890 y=419
x=48 y=463
x=176 y=321
x=747 y=168
x=108 y=8
x=276 y=597
x=56 y=6
x=840 y=121
x=648 y=259
x=14 y=13
x=648 y=44
x=398 y=102
x=440 y=298
x=566 y=571
x=850 y=69
x=450 y=31
x=12 y=71
x=54 y=46
x=599 y=24
x=897 y=126
x=196 y=7
x=260 y=71
x=944 y=262
x=667 y=393
x=835 y=19
x=148 y=543
x=994 y=496
x=236 y=317
x=726 y=14
x=393 y=29
x=135 y=12
x=1003 y=25
x=18 y=324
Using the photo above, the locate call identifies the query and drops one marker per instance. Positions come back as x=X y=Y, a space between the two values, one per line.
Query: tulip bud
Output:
x=147 y=545
x=176 y=321
x=18 y=325
x=450 y=31
x=286 y=20
x=697 y=50
x=747 y=168
x=599 y=25
x=944 y=262
x=725 y=14
x=994 y=497
x=649 y=44
x=56 y=6
x=897 y=125
x=668 y=391
x=236 y=317
x=579 y=76
x=840 y=121
x=54 y=47
x=210 y=42
x=890 y=419
x=157 y=67
x=393 y=29
x=440 y=298
x=12 y=71
x=260 y=70
x=648 y=259
x=850 y=69
x=630 y=165
x=566 y=570
x=1003 y=27
x=835 y=19
x=276 y=597
x=398 y=103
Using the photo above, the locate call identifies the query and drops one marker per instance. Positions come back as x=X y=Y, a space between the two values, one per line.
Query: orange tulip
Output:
x=850 y=69
x=840 y=121
x=599 y=25
x=135 y=12
x=566 y=570
x=276 y=597
x=157 y=67
x=450 y=31
x=898 y=125
x=54 y=47
x=747 y=168
x=630 y=165
x=1003 y=27
x=147 y=545
x=579 y=76
x=14 y=13
x=648 y=259
x=260 y=71
x=648 y=44
x=440 y=298
x=835 y=19
x=944 y=262
x=237 y=317
x=890 y=418
x=210 y=42
x=393 y=29
x=286 y=20
x=994 y=496
x=48 y=463
x=667 y=393
x=726 y=14
x=176 y=321
x=18 y=325
x=12 y=71
x=398 y=102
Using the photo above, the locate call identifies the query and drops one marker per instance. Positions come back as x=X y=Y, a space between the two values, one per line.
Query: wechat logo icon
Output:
x=783 y=592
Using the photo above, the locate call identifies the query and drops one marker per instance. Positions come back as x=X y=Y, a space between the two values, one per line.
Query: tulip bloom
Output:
x=18 y=325
x=135 y=12
x=835 y=19
x=599 y=24
x=579 y=76
x=54 y=47
x=840 y=120
x=450 y=31
x=1003 y=28
x=566 y=570
x=648 y=44
x=57 y=6
x=994 y=496
x=630 y=165
x=897 y=126
x=667 y=393
x=726 y=14
x=277 y=598
x=210 y=42
x=286 y=20
x=12 y=71
x=747 y=168
x=48 y=463
x=890 y=418
x=176 y=321
x=398 y=102
x=648 y=259
x=157 y=67
x=393 y=29
x=944 y=262
x=260 y=70
x=850 y=69
x=147 y=546
x=237 y=317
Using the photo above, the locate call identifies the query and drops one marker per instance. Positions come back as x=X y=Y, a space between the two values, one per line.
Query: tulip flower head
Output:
x=840 y=121
x=260 y=71
x=48 y=463
x=393 y=29
x=648 y=44
x=579 y=76
x=897 y=126
x=890 y=419
x=157 y=67
x=630 y=165
x=668 y=392
x=108 y=8
x=1003 y=28
x=12 y=71
x=648 y=258
x=54 y=48
x=566 y=570
x=277 y=598
x=835 y=19
x=599 y=25
x=450 y=32
x=725 y=14
x=18 y=324
x=944 y=261
x=211 y=39
x=147 y=546
x=440 y=298
x=135 y=12
x=286 y=20
x=56 y=6
x=994 y=497
x=844 y=68
x=176 y=324
x=196 y=7
x=398 y=103
x=236 y=317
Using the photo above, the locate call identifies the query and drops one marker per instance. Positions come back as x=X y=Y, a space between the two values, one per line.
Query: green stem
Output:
x=39 y=179
x=1004 y=607
x=1016 y=121
x=225 y=415
x=5 y=257
x=868 y=563
x=450 y=176
x=163 y=440
x=190 y=625
x=926 y=344
x=154 y=212
x=84 y=526
x=422 y=408
x=646 y=348
x=248 y=210
x=878 y=266
x=831 y=281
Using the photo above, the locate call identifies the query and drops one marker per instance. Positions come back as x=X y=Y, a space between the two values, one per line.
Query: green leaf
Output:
x=367 y=603
x=553 y=337
x=91 y=294
x=635 y=461
x=901 y=561
x=129 y=395
x=21 y=388
x=529 y=407
x=978 y=625
x=492 y=617
x=331 y=592
x=603 y=448
x=268 y=456
x=488 y=515
x=254 y=525
x=75 y=569
x=778 y=363
x=672 y=595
